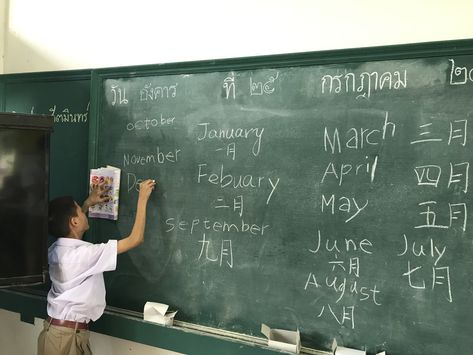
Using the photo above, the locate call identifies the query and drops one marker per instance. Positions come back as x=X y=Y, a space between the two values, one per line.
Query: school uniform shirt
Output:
x=76 y=270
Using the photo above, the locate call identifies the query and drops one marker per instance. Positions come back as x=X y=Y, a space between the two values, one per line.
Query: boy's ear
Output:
x=73 y=221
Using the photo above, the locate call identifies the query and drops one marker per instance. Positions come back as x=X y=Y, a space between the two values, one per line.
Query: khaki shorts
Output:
x=57 y=340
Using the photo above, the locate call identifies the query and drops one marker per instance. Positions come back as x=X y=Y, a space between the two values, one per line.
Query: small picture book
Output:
x=111 y=176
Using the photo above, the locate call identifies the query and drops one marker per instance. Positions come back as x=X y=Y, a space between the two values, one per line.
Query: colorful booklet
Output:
x=111 y=176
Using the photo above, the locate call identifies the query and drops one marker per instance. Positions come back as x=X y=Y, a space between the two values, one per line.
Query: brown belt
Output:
x=67 y=323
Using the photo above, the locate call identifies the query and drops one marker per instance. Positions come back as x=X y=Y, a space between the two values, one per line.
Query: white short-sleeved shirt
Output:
x=76 y=270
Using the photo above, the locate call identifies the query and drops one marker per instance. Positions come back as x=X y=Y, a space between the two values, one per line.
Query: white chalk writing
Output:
x=460 y=75
x=224 y=180
x=429 y=175
x=66 y=115
x=260 y=88
x=358 y=138
x=154 y=93
x=340 y=171
x=232 y=133
x=198 y=224
x=229 y=87
x=363 y=84
x=343 y=204
x=155 y=158
x=457 y=133
x=226 y=252
x=119 y=95
x=149 y=123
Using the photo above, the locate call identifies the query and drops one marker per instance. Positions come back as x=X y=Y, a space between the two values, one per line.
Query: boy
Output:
x=76 y=268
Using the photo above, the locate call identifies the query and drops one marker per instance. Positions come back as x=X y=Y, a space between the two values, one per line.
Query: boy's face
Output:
x=82 y=221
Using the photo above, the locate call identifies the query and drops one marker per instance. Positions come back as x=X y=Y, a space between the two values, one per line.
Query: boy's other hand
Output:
x=98 y=194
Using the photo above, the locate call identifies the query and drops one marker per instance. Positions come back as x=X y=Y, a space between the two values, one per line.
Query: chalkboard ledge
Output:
x=183 y=337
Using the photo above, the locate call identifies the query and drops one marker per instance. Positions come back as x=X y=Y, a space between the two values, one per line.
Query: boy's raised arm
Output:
x=136 y=236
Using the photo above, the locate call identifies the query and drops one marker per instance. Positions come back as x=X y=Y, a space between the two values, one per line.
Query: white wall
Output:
x=65 y=34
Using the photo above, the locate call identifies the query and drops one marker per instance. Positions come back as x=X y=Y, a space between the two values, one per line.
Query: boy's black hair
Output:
x=61 y=210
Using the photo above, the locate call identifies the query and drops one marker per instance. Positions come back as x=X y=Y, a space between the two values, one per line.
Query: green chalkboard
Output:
x=65 y=96
x=327 y=192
